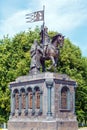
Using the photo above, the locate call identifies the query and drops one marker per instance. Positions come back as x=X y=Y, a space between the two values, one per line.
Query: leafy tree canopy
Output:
x=15 y=61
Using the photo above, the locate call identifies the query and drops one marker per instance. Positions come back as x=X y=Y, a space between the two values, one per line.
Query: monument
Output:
x=43 y=100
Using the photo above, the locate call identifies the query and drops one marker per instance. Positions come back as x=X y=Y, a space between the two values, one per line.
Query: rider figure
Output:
x=46 y=36
x=45 y=39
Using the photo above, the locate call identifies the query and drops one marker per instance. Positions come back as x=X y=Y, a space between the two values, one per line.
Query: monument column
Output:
x=12 y=103
x=19 y=112
x=49 y=85
x=40 y=112
x=74 y=100
x=26 y=110
x=33 y=102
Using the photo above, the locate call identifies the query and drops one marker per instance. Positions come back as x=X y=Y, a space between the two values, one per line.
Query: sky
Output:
x=68 y=17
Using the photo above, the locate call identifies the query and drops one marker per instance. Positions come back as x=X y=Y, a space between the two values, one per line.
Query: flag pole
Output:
x=43 y=25
x=43 y=14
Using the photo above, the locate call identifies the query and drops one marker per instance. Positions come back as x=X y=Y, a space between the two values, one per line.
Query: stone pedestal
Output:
x=43 y=101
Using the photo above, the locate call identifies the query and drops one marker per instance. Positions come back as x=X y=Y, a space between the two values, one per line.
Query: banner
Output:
x=35 y=16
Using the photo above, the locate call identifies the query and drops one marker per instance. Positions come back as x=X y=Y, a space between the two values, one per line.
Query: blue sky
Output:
x=68 y=17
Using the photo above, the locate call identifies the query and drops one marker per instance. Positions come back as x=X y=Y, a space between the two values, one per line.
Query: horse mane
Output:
x=55 y=37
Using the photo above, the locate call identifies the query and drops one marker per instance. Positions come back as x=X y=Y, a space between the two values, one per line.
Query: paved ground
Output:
x=84 y=128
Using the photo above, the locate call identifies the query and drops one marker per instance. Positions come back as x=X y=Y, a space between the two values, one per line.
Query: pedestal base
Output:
x=43 y=125
x=43 y=101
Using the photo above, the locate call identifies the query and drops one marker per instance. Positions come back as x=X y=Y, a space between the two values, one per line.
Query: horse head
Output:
x=58 y=39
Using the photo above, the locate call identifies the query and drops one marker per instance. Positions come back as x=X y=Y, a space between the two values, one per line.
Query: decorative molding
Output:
x=17 y=84
x=65 y=82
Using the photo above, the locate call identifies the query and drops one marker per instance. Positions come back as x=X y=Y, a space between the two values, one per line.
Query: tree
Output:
x=15 y=61
x=72 y=63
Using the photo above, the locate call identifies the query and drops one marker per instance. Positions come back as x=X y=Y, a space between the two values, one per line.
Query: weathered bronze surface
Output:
x=47 y=51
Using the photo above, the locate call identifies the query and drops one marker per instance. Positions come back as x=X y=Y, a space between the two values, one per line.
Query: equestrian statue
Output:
x=47 y=50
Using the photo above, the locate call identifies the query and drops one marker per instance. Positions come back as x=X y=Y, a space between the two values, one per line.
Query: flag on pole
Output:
x=35 y=16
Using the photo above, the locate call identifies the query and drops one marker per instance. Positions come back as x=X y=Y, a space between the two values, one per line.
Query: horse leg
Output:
x=56 y=61
x=53 y=62
x=43 y=65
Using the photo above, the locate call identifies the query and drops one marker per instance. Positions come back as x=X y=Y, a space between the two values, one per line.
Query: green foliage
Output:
x=73 y=64
x=15 y=61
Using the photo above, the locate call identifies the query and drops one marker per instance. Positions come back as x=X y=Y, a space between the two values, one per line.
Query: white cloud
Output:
x=64 y=15
x=60 y=15
x=14 y=24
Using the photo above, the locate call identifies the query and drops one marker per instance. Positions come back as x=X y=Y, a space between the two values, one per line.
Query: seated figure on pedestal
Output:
x=36 y=52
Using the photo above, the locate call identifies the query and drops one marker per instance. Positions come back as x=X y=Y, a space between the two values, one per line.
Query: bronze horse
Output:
x=40 y=53
x=52 y=51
